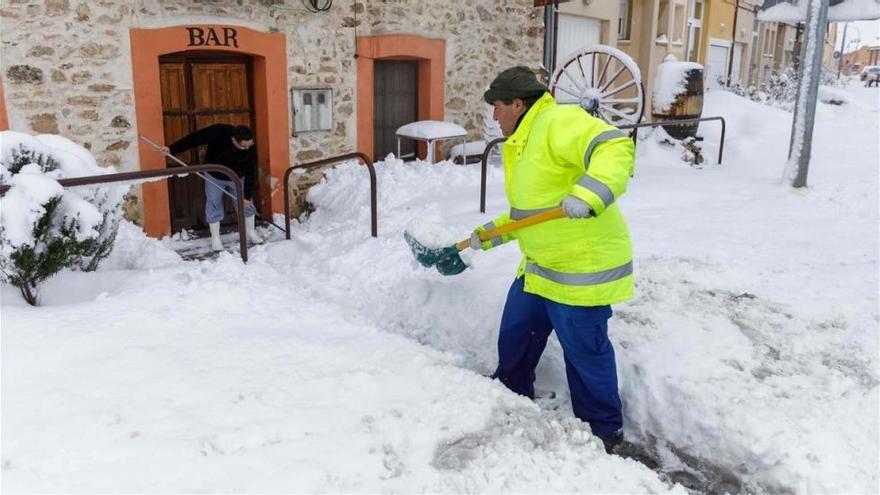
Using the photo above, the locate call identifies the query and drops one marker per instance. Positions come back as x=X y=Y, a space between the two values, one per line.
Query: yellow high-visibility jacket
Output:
x=555 y=151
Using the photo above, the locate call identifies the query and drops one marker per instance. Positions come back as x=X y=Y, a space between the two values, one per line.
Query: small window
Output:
x=623 y=21
x=312 y=109
x=678 y=24
x=770 y=43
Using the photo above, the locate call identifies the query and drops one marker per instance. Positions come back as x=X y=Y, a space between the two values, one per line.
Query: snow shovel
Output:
x=449 y=262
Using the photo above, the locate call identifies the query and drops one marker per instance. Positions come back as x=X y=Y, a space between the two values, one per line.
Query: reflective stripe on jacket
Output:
x=555 y=151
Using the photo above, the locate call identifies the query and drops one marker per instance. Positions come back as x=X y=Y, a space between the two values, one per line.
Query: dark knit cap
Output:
x=515 y=82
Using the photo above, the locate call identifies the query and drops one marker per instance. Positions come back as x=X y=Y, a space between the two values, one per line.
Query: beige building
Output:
x=726 y=40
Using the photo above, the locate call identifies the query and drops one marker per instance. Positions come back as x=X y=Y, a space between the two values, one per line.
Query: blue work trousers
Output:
x=589 y=356
x=214 y=208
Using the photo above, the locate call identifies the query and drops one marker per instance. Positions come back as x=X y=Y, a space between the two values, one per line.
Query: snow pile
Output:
x=833 y=96
x=671 y=81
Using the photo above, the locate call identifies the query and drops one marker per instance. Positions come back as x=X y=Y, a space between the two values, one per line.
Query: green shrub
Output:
x=45 y=228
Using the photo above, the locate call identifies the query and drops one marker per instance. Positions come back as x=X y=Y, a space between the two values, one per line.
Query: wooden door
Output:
x=395 y=103
x=199 y=90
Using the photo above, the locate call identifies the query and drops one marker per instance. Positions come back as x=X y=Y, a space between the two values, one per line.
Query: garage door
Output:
x=575 y=32
x=716 y=64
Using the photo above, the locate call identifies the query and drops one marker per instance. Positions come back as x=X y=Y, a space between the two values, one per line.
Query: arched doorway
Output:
x=271 y=123
x=200 y=89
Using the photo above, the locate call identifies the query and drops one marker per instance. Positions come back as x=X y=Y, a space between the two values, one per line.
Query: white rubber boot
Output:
x=252 y=234
x=216 y=245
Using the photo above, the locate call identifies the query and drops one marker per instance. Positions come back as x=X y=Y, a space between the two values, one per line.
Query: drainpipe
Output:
x=732 y=43
x=549 y=39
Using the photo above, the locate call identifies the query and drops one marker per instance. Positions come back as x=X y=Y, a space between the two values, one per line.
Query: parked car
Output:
x=870 y=74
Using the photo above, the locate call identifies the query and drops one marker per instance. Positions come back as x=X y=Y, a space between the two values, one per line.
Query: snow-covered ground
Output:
x=334 y=363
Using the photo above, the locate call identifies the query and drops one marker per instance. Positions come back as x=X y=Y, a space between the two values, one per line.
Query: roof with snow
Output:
x=838 y=10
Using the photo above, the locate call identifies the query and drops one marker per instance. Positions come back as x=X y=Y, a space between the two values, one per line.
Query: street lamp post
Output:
x=842 y=49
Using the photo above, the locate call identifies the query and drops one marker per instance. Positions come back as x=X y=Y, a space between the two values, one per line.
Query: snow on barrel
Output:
x=678 y=95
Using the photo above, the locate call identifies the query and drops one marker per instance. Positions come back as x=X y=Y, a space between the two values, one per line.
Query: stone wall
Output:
x=66 y=64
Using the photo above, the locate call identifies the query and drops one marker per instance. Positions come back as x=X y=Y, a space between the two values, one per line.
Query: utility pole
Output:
x=842 y=50
x=732 y=42
x=801 y=142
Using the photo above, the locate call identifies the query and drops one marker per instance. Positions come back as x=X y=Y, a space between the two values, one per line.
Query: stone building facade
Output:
x=88 y=70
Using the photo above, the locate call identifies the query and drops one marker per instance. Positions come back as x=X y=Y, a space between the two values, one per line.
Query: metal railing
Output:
x=164 y=173
x=635 y=127
x=341 y=158
x=483 y=164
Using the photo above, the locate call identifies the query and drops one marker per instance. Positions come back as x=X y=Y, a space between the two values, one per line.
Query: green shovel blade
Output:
x=451 y=264
x=426 y=256
x=445 y=259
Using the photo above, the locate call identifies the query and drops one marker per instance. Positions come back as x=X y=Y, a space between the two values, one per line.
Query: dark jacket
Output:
x=221 y=151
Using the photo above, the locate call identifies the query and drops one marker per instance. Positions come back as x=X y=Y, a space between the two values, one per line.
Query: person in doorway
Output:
x=232 y=146
x=574 y=268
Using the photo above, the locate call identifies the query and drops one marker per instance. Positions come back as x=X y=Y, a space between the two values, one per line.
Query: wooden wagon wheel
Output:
x=604 y=81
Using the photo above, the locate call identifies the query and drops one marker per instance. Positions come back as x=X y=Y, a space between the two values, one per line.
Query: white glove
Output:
x=575 y=207
x=476 y=243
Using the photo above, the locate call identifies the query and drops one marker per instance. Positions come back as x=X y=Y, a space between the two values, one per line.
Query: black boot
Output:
x=611 y=442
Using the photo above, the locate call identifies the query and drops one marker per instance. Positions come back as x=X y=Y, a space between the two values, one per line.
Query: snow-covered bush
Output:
x=44 y=227
x=780 y=90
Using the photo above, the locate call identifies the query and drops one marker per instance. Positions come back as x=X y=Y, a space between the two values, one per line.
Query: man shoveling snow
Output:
x=558 y=159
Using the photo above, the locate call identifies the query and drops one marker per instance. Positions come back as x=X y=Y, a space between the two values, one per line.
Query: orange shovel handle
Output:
x=516 y=225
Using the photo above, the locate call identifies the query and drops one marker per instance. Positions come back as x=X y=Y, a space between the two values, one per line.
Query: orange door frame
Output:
x=272 y=129
x=431 y=56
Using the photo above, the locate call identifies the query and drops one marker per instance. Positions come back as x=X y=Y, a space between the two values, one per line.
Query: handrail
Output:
x=164 y=173
x=483 y=163
x=683 y=121
x=363 y=157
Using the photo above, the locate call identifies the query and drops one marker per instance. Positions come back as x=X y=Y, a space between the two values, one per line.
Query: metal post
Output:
x=732 y=42
x=842 y=49
x=808 y=90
